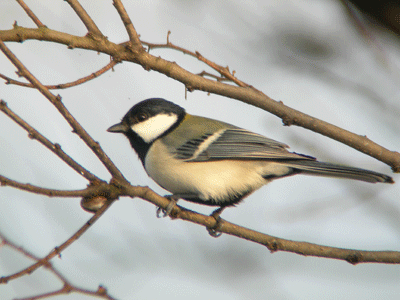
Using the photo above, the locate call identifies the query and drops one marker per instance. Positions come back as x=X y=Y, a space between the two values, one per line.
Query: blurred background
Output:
x=325 y=58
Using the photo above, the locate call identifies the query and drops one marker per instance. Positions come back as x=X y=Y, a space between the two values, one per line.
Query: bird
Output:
x=214 y=163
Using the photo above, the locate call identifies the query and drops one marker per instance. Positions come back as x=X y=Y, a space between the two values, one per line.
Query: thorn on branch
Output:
x=102 y=291
x=57 y=251
x=168 y=34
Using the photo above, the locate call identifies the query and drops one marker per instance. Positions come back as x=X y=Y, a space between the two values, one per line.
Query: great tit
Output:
x=211 y=162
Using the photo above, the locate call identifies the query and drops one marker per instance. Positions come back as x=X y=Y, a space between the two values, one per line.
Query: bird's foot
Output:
x=161 y=212
x=214 y=231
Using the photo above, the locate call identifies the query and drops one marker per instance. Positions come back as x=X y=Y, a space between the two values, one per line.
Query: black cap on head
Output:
x=146 y=108
x=151 y=107
x=142 y=111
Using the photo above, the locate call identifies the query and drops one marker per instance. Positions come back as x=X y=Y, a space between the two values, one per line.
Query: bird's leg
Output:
x=214 y=231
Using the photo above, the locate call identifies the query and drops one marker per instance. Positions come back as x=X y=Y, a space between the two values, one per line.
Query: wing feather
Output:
x=235 y=143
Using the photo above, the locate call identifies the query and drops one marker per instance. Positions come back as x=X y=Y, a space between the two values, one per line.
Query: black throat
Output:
x=138 y=144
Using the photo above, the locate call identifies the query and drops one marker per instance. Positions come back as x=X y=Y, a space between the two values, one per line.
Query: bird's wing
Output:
x=235 y=143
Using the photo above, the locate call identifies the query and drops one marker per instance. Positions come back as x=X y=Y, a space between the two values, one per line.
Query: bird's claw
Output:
x=214 y=231
x=162 y=213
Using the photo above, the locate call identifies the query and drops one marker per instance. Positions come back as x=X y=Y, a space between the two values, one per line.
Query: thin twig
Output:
x=31 y=14
x=57 y=251
x=85 y=18
x=109 y=66
x=67 y=288
x=364 y=32
x=55 y=148
x=204 y=73
x=224 y=71
x=133 y=36
x=56 y=101
x=103 y=189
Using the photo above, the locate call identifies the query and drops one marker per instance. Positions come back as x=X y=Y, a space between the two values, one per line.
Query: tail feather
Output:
x=334 y=170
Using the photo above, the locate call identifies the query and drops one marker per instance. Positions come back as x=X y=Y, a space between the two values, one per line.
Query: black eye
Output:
x=141 y=117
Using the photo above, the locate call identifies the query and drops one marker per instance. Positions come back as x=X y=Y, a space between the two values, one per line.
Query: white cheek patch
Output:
x=152 y=128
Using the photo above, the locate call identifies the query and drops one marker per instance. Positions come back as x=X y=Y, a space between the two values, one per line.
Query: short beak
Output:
x=118 y=128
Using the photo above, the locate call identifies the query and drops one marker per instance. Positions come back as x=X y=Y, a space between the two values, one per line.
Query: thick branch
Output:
x=272 y=243
x=192 y=82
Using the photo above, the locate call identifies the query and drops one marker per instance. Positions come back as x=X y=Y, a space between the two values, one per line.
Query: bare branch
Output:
x=94 y=75
x=224 y=71
x=204 y=73
x=242 y=92
x=274 y=244
x=57 y=251
x=55 y=148
x=56 y=101
x=249 y=95
x=133 y=36
x=67 y=288
x=31 y=14
x=102 y=188
x=86 y=19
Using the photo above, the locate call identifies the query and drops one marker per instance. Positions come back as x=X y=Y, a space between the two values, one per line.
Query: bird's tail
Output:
x=333 y=170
